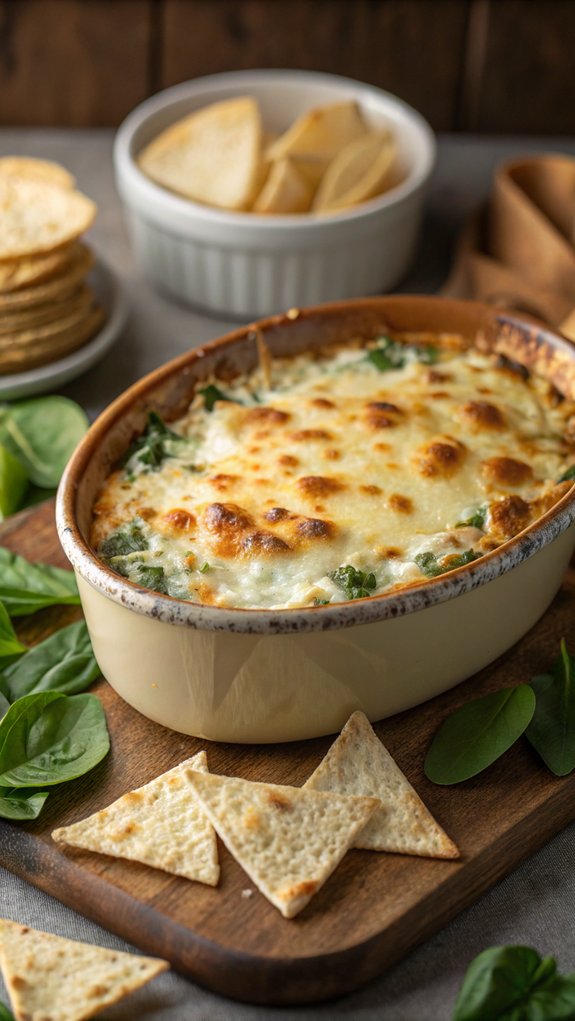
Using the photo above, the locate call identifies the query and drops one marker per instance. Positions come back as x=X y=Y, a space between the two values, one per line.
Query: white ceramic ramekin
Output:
x=281 y=675
x=244 y=264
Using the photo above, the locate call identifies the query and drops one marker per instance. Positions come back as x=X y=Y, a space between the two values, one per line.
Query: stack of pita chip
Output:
x=62 y=980
x=289 y=840
x=47 y=310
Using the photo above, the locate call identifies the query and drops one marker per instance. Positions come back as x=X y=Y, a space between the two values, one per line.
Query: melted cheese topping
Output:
x=341 y=461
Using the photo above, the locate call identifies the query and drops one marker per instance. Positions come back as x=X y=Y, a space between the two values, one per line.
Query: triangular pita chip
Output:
x=160 y=824
x=287 y=839
x=49 y=978
x=358 y=763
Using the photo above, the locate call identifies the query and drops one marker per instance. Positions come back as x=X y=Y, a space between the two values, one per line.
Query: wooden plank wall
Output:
x=502 y=66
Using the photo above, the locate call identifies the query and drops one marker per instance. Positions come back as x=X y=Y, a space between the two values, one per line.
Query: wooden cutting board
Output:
x=371 y=912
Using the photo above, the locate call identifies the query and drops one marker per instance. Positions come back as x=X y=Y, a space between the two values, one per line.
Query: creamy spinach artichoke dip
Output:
x=337 y=475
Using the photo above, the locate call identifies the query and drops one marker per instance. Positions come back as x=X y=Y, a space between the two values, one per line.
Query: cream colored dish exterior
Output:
x=246 y=264
x=268 y=676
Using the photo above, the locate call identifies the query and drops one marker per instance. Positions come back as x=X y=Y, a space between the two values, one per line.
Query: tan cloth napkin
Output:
x=519 y=252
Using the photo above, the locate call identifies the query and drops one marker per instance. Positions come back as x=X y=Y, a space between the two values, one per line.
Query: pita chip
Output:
x=287 y=839
x=50 y=978
x=358 y=763
x=161 y=824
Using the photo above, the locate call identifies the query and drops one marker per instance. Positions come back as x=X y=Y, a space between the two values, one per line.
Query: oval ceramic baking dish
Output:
x=256 y=675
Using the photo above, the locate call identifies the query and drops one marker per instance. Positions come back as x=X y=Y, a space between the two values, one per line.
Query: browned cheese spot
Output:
x=506 y=471
x=382 y=415
x=310 y=434
x=437 y=376
x=278 y=514
x=371 y=490
x=482 y=415
x=312 y=486
x=146 y=513
x=205 y=594
x=263 y=544
x=321 y=402
x=391 y=552
x=400 y=503
x=221 y=481
x=227 y=524
x=315 y=528
x=178 y=521
x=509 y=516
x=438 y=395
x=332 y=454
x=287 y=461
x=439 y=457
x=266 y=415
x=382 y=448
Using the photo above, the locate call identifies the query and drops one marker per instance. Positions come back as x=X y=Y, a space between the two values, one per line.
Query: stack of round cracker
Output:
x=47 y=310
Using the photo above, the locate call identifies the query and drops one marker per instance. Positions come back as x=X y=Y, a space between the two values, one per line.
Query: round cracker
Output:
x=36 y=170
x=38 y=217
x=79 y=264
x=39 y=315
x=35 y=336
x=69 y=340
x=18 y=273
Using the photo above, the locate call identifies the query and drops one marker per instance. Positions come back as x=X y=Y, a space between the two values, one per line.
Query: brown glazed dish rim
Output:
x=519 y=337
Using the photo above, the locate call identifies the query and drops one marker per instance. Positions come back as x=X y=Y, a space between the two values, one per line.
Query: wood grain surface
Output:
x=371 y=912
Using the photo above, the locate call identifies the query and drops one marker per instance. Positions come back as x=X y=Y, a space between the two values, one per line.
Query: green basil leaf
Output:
x=42 y=433
x=21 y=805
x=355 y=583
x=552 y=729
x=26 y=587
x=63 y=662
x=5 y=1014
x=149 y=451
x=9 y=643
x=13 y=483
x=212 y=393
x=49 y=738
x=500 y=984
x=479 y=733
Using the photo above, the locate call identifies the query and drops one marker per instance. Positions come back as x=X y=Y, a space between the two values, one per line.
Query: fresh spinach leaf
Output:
x=128 y=538
x=476 y=519
x=42 y=433
x=355 y=583
x=568 y=475
x=63 y=662
x=13 y=483
x=212 y=393
x=513 y=983
x=9 y=643
x=552 y=729
x=4 y=705
x=479 y=733
x=432 y=567
x=49 y=738
x=5 y=1014
x=26 y=587
x=21 y=805
x=149 y=451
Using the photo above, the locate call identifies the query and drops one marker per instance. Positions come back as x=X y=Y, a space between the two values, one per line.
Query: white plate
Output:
x=111 y=296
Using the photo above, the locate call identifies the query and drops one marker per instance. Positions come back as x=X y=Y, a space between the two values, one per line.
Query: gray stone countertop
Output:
x=535 y=905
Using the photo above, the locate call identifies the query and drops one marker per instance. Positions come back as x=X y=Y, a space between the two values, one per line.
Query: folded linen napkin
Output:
x=519 y=252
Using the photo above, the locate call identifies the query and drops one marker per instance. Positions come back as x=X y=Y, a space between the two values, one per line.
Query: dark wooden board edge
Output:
x=280 y=981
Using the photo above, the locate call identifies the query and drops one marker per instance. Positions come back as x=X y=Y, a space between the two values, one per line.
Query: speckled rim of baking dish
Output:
x=349 y=613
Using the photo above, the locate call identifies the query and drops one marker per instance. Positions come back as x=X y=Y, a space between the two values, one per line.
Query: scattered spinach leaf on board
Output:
x=149 y=451
x=355 y=583
x=212 y=393
x=479 y=733
x=21 y=805
x=48 y=738
x=13 y=483
x=5 y=1014
x=42 y=433
x=10 y=645
x=26 y=587
x=63 y=662
x=4 y=705
x=514 y=983
x=552 y=729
